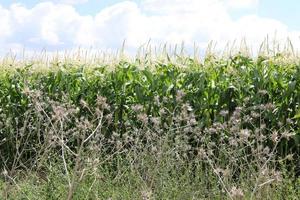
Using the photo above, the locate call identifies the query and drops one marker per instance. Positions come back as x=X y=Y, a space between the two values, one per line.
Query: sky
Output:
x=59 y=25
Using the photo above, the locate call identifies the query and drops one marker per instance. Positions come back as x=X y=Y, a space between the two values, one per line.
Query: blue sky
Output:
x=89 y=8
x=285 y=11
x=105 y=24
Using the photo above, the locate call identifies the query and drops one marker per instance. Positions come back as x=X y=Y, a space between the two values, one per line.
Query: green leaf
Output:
x=297 y=116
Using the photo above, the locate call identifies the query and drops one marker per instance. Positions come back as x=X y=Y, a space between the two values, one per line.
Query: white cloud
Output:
x=60 y=26
x=5 y=28
x=71 y=2
x=242 y=3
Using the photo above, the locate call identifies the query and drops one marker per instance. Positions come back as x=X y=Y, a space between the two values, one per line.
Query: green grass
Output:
x=132 y=186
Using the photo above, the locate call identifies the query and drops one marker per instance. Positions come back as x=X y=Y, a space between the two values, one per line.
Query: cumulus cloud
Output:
x=59 y=26
x=71 y=2
x=241 y=3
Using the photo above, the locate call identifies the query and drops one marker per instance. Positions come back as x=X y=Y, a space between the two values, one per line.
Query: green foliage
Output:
x=215 y=85
x=161 y=115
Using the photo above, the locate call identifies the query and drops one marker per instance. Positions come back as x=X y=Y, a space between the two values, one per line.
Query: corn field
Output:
x=222 y=127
